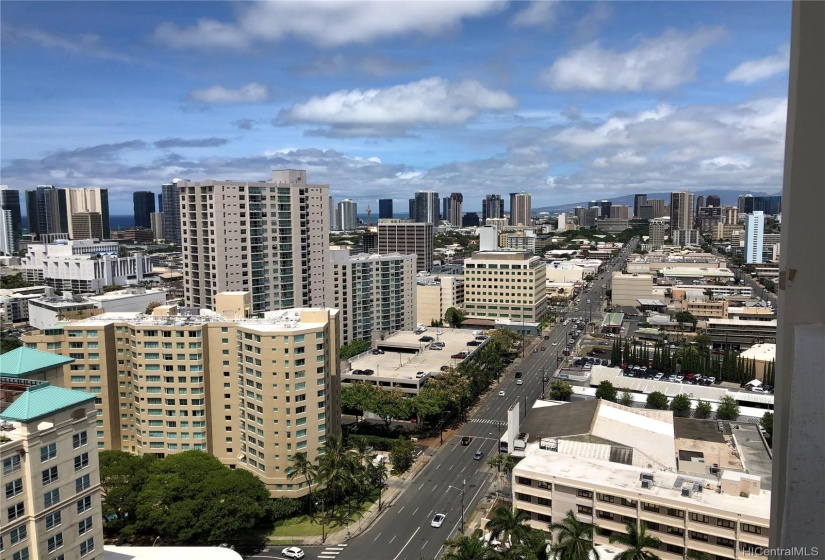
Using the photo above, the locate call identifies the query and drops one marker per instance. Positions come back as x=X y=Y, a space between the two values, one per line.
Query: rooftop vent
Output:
x=647 y=484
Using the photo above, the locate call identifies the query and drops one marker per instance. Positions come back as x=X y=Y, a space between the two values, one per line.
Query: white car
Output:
x=438 y=520
x=501 y=393
x=293 y=552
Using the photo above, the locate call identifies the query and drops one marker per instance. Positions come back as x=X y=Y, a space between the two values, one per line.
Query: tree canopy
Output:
x=454 y=317
x=728 y=409
x=606 y=391
x=657 y=400
x=354 y=348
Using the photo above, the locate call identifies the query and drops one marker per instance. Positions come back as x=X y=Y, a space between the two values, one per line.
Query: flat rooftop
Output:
x=590 y=473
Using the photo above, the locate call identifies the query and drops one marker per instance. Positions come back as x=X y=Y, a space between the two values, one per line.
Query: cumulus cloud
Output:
x=325 y=24
x=756 y=70
x=88 y=44
x=191 y=142
x=368 y=65
x=661 y=63
x=536 y=14
x=249 y=93
x=380 y=112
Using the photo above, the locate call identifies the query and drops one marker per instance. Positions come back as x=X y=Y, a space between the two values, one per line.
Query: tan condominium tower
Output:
x=268 y=238
x=681 y=210
x=399 y=236
x=251 y=392
x=505 y=285
x=520 y=209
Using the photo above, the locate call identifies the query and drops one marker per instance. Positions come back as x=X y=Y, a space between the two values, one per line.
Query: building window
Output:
x=55 y=542
x=606 y=498
x=754 y=529
x=49 y=475
x=700 y=518
x=11 y=464
x=605 y=515
x=84 y=504
x=81 y=462
x=51 y=498
x=21 y=554
x=53 y=520
x=525 y=481
x=676 y=531
x=79 y=440
x=584 y=493
x=48 y=452
x=82 y=483
x=675 y=549
x=725 y=542
x=680 y=513
x=84 y=526
x=585 y=510
x=698 y=536
x=727 y=523
x=14 y=488
x=18 y=534
x=629 y=503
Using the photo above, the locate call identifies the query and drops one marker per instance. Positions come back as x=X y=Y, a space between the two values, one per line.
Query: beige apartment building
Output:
x=398 y=236
x=435 y=295
x=268 y=238
x=505 y=284
x=628 y=289
x=251 y=392
x=373 y=293
x=52 y=503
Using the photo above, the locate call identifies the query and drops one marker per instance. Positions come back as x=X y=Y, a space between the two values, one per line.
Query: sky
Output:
x=568 y=101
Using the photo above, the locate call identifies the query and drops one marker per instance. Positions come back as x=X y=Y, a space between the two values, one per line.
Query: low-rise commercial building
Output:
x=741 y=334
x=628 y=289
x=435 y=295
x=501 y=284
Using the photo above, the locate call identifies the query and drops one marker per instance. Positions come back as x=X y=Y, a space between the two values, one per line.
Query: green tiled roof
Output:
x=43 y=400
x=25 y=361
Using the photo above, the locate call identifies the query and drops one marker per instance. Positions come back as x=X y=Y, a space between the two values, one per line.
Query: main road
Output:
x=403 y=532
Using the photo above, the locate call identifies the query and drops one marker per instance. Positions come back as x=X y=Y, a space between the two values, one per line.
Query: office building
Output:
x=604 y=208
x=7 y=237
x=470 y=219
x=754 y=237
x=713 y=200
x=619 y=212
x=47 y=210
x=769 y=205
x=435 y=295
x=87 y=225
x=426 y=208
x=83 y=201
x=171 y=212
x=374 y=293
x=220 y=368
x=610 y=465
x=684 y=237
x=520 y=209
x=628 y=289
x=144 y=202
x=639 y=200
x=347 y=217
x=505 y=284
x=268 y=238
x=10 y=201
x=491 y=207
x=561 y=222
x=407 y=238
x=453 y=209
x=334 y=216
x=156 y=221
x=700 y=203
x=385 y=209
x=160 y=202
x=681 y=211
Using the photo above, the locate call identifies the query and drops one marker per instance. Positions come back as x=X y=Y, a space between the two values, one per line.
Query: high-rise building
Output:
x=681 y=210
x=6 y=233
x=171 y=212
x=453 y=208
x=620 y=212
x=213 y=389
x=347 y=217
x=373 y=293
x=470 y=219
x=156 y=221
x=593 y=203
x=144 y=202
x=700 y=203
x=520 y=211
x=385 y=209
x=653 y=208
x=87 y=225
x=269 y=238
x=426 y=208
x=769 y=205
x=47 y=210
x=10 y=201
x=334 y=216
x=488 y=295
x=659 y=229
x=754 y=232
x=52 y=505
x=639 y=200
x=713 y=200
x=491 y=207
x=406 y=238
x=605 y=205
x=83 y=200
x=412 y=209
x=561 y=224
x=160 y=203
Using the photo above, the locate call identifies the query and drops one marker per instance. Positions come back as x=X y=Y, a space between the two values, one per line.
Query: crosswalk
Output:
x=332 y=551
x=484 y=421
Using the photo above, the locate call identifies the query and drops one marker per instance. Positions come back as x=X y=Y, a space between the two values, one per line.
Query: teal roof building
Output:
x=43 y=400
x=26 y=363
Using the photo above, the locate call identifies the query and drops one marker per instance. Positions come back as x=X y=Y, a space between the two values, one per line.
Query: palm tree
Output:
x=470 y=547
x=302 y=466
x=575 y=539
x=636 y=540
x=335 y=467
x=508 y=526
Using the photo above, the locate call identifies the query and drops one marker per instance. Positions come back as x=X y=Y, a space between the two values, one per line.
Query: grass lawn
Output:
x=302 y=526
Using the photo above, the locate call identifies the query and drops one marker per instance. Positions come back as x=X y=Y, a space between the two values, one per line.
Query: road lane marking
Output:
x=376 y=538
x=402 y=509
x=435 y=487
x=423 y=545
x=392 y=539
x=451 y=467
x=437 y=466
x=408 y=542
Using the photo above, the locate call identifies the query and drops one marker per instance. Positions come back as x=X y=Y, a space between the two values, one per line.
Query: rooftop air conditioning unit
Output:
x=687 y=492
x=647 y=484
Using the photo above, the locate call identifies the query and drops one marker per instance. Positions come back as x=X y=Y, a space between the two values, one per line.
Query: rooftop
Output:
x=22 y=361
x=761 y=352
x=42 y=400
x=169 y=553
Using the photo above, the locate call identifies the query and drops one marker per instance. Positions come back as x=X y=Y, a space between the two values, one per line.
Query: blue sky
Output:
x=566 y=100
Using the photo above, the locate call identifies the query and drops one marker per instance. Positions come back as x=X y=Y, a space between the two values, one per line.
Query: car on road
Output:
x=466 y=440
x=545 y=379
x=478 y=455
x=293 y=552
x=555 y=344
x=518 y=375
x=547 y=337
x=501 y=393
x=438 y=520
x=519 y=381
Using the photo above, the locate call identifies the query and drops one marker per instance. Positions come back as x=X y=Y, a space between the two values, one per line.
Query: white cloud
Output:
x=537 y=13
x=325 y=24
x=249 y=93
x=87 y=44
x=660 y=63
x=391 y=111
x=757 y=70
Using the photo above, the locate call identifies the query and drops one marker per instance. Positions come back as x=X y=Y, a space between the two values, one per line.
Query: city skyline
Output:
x=510 y=116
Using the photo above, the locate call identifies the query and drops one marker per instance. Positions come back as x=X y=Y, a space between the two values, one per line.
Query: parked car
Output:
x=377 y=351
x=426 y=339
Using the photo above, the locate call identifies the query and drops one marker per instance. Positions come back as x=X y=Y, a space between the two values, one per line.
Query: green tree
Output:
x=401 y=455
x=300 y=465
x=657 y=400
x=358 y=396
x=560 y=390
x=122 y=476
x=12 y=281
x=354 y=348
x=471 y=547
x=728 y=409
x=680 y=405
x=767 y=423
x=685 y=317
x=9 y=344
x=626 y=399
x=606 y=391
x=390 y=405
x=636 y=540
x=335 y=471
x=152 y=305
x=508 y=526
x=575 y=539
x=703 y=409
x=454 y=317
